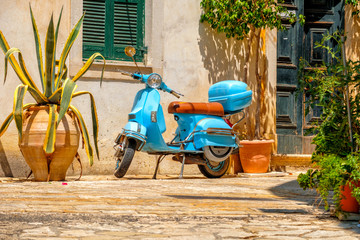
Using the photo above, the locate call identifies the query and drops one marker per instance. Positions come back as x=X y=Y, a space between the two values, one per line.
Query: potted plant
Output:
x=248 y=19
x=336 y=177
x=49 y=129
x=333 y=88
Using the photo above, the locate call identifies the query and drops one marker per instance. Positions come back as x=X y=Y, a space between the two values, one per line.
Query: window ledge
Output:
x=114 y=63
x=112 y=70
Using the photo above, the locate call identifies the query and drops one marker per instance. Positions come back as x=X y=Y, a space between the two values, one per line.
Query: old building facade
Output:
x=171 y=41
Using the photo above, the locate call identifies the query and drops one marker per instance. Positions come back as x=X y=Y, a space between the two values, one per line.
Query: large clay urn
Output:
x=255 y=155
x=48 y=167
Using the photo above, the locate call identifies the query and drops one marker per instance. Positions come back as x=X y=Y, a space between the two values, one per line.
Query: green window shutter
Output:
x=94 y=27
x=124 y=26
x=128 y=27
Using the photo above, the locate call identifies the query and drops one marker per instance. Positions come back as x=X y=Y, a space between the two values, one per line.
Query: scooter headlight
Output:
x=154 y=80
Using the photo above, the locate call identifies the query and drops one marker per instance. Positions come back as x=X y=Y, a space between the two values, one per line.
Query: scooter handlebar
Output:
x=176 y=94
x=125 y=73
x=165 y=88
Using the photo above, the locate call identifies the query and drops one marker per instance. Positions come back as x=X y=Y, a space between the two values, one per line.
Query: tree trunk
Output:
x=246 y=73
x=258 y=85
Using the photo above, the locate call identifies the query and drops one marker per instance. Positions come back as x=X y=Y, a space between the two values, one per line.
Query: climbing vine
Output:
x=355 y=4
x=236 y=18
x=245 y=19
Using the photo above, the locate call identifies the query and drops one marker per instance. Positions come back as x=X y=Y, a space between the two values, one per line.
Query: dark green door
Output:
x=298 y=41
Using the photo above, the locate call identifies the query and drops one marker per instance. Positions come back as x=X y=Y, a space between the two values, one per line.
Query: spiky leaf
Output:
x=55 y=97
x=22 y=73
x=87 y=65
x=6 y=124
x=9 y=119
x=38 y=48
x=9 y=57
x=85 y=134
x=18 y=107
x=49 y=144
x=66 y=96
x=94 y=116
x=49 y=59
x=69 y=42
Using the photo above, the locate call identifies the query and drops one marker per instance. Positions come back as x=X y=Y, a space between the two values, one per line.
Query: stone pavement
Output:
x=137 y=207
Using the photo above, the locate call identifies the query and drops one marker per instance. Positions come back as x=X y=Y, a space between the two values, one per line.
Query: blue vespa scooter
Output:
x=203 y=135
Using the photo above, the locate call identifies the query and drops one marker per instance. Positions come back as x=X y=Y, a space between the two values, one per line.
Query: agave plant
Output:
x=57 y=89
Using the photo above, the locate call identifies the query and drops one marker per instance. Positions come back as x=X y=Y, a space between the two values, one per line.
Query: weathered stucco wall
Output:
x=352 y=30
x=189 y=55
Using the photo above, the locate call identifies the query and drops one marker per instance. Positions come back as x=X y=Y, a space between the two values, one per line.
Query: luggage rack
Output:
x=210 y=131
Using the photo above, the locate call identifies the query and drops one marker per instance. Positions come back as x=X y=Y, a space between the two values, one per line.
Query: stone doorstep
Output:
x=291 y=160
x=268 y=174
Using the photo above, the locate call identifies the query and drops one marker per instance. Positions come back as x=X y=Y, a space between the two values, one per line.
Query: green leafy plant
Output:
x=57 y=88
x=355 y=4
x=332 y=172
x=246 y=19
x=325 y=87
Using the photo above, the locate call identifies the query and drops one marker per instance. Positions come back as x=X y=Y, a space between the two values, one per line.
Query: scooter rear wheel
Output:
x=123 y=163
x=214 y=169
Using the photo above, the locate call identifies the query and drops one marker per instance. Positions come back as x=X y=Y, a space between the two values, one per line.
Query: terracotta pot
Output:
x=255 y=155
x=31 y=146
x=348 y=203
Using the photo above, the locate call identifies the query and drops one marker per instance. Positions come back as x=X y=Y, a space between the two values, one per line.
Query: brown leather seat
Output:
x=213 y=108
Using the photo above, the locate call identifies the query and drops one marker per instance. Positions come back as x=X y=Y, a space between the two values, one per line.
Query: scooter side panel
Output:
x=161 y=119
x=198 y=124
x=202 y=139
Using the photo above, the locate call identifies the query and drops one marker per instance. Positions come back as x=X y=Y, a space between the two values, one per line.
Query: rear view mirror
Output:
x=130 y=51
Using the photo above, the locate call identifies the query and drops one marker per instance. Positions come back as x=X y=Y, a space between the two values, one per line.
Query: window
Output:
x=111 y=25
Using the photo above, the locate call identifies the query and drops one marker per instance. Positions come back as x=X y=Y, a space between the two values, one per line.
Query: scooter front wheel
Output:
x=214 y=169
x=123 y=163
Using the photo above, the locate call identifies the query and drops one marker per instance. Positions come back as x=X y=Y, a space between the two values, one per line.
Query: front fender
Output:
x=214 y=132
x=136 y=131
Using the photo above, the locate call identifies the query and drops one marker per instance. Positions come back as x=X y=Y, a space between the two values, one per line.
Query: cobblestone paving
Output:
x=102 y=207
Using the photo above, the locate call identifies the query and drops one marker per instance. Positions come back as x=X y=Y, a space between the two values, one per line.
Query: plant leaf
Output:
x=49 y=144
x=69 y=42
x=66 y=96
x=87 y=65
x=55 y=97
x=5 y=47
x=53 y=77
x=18 y=107
x=9 y=57
x=58 y=24
x=23 y=75
x=85 y=134
x=95 y=120
x=49 y=59
x=3 y=43
x=6 y=124
x=9 y=119
x=38 y=96
x=38 y=49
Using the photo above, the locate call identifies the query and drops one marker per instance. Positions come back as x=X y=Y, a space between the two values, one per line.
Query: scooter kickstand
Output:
x=160 y=158
x=182 y=167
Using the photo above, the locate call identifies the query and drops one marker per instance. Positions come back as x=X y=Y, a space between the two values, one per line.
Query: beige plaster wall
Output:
x=352 y=29
x=189 y=55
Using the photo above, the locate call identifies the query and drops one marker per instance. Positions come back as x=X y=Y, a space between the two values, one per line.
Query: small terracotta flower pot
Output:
x=255 y=155
x=348 y=203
